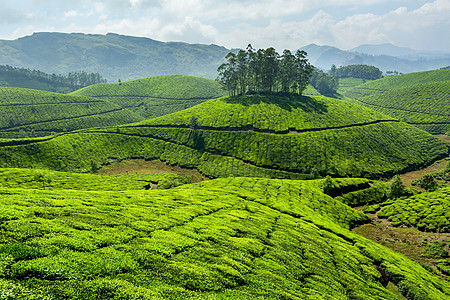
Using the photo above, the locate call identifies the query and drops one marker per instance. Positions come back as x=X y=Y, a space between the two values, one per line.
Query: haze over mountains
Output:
x=125 y=57
x=386 y=57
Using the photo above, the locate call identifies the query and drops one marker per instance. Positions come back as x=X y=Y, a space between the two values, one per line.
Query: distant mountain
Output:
x=386 y=57
x=384 y=49
x=113 y=56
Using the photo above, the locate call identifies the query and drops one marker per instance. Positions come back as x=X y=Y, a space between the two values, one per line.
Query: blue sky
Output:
x=235 y=23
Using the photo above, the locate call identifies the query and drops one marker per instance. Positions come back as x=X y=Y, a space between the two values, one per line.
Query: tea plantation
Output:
x=26 y=112
x=427 y=211
x=426 y=106
x=275 y=137
x=391 y=83
x=156 y=96
x=230 y=238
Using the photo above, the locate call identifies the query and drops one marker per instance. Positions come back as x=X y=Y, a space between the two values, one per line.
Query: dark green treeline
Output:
x=265 y=71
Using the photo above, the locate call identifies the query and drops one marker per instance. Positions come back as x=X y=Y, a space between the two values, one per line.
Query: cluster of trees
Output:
x=324 y=83
x=13 y=76
x=265 y=71
x=356 y=71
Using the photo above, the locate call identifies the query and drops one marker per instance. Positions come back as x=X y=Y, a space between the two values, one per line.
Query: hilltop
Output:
x=262 y=136
x=113 y=56
x=227 y=238
x=156 y=96
x=30 y=113
x=391 y=83
x=426 y=106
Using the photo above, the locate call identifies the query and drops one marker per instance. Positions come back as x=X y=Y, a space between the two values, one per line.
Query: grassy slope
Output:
x=45 y=112
x=262 y=136
x=425 y=105
x=396 y=82
x=234 y=238
x=158 y=95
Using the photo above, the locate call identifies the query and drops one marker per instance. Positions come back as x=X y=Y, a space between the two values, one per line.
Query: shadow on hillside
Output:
x=286 y=102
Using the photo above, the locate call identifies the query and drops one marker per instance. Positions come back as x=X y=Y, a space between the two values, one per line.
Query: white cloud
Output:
x=235 y=23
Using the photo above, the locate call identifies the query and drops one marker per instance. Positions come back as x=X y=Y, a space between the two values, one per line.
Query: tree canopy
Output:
x=22 y=77
x=356 y=71
x=264 y=71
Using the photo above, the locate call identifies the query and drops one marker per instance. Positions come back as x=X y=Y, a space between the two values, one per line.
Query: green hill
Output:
x=391 y=83
x=231 y=238
x=112 y=55
x=262 y=136
x=156 y=96
x=426 y=106
x=26 y=112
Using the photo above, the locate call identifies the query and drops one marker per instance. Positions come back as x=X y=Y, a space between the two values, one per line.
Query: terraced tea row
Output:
x=425 y=105
x=377 y=148
x=392 y=83
x=35 y=112
x=156 y=96
x=228 y=238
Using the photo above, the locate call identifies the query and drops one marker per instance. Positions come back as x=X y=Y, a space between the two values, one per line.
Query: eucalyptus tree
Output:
x=265 y=71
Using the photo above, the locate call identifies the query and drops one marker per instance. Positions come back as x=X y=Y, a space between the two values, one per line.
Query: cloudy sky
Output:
x=282 y=24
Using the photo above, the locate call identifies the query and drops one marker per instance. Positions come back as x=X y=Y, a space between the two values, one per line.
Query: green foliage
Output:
x=392 y=83
x=358 y=71
x=436 y=250
x=428 y=183
x=396 y=188
x=33 y=79
x=264 y=71
x=444 y=266
x=39 y=113
x=324 y=83
x=231 y=238
x=42 y=178
x=427 y=211
x=424 y=105
x=277 y=137
x=156 y=96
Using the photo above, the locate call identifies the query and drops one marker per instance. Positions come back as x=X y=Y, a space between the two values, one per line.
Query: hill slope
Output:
x=36 y=113
x=156 y=96
x=113 y=56
x=426 y=106
x=263 y=136
x=325 y=56
x=230 y=238
x=391 y=83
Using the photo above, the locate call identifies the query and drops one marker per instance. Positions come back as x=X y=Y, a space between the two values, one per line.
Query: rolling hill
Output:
x=392 y=83
x=26 y=112
x=262 y=136
x=230 y=238
x=156 y=96
x=426 y=106
x=113 y=56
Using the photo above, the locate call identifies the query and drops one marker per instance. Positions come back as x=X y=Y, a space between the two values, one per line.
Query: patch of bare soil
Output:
x=409 y=177
x=140 y=166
